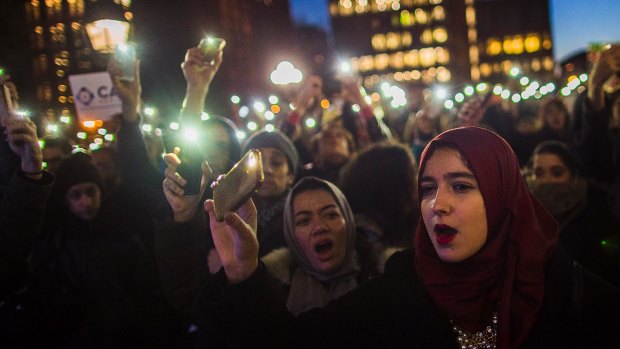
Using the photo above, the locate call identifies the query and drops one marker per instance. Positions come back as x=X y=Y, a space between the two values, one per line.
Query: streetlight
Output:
x=105 y=25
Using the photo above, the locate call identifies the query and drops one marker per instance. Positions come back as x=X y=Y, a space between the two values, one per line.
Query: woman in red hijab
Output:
x=485 y=271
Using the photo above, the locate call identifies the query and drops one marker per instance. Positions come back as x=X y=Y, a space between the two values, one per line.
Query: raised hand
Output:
x=21 y=134
x=235 y=240
x=184 y=207
x=128 y=91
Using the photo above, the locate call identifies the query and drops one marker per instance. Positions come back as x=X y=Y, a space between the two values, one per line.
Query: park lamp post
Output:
x=105 y=25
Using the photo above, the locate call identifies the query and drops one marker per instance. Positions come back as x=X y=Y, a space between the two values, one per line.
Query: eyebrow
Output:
x=323 y=209
x=451 y=175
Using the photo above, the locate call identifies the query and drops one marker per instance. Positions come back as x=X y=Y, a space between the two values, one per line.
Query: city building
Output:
x=440 y=41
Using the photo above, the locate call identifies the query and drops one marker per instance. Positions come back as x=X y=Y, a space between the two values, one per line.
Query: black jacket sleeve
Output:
x=22 y=208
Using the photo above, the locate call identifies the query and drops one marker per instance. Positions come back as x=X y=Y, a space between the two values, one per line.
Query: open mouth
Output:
x=444 y=234
x=324 y=247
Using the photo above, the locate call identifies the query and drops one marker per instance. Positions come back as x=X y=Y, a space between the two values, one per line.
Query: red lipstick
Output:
x=444 y=234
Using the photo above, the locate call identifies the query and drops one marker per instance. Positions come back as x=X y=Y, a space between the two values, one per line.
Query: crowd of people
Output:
x=459 y=230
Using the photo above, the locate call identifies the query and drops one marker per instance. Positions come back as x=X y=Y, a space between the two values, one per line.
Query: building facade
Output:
x=442 y=41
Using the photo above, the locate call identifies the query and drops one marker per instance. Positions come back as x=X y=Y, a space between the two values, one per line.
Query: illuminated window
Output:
x=473 y=54
x=532 y=43
x=438 y=14
x=406 y=19
x=62 y=99
x=397 y=60
x=416 y=75
x=406 y=39
x=548 y=63
x=426 y=37
x=35 y=10
x=60 y=73
x=398 y=76
x=470 y=16
x=407 y=75
x=517 y=45
x=395 y=6
x=442 y=55
x=381 y=61
x=440 y=35
x=392 y=41
x=506 y=66
x=475 y=73
x=421 y=16
x=378 y=42
x=535 y=64
x=62 y=88
x=507 y=46
x=546 y=42
x=494 y=47
x=427 y=57
x=485 y=69
x=39 y=38
x=412 y=58
x=443 y=74
x=472 y=35
x=435 y=2
x=366 y=63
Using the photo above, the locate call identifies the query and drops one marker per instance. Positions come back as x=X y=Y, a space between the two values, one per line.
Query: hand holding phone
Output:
x=126 y=56
x=210 y=46
x=190 y=168
x=238 y=184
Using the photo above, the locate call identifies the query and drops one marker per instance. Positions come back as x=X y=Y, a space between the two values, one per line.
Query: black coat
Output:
x=395 y=311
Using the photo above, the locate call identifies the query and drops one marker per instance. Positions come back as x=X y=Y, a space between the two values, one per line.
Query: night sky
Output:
x=574 y=23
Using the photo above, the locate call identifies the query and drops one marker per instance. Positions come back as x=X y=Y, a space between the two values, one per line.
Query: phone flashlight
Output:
x=210 y=46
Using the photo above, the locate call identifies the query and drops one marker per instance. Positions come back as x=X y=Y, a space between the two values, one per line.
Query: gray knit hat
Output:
x=274 y=139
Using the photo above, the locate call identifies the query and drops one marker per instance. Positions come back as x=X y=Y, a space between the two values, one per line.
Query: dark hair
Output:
x=336 y=124
x=380 y=182
x=561 y=150
x=60 y=143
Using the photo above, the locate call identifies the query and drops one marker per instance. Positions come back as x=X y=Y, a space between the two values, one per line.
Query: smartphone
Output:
x=210 y=46
x=238 y=184
x=191 y=167
x=6 y=104
x=126 y=56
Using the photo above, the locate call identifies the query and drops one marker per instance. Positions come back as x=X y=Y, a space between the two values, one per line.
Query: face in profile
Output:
x=278 y=175
x=320 y=229
x=216 y=142
x=452 y=206
x=549 y=168
x=84 y=200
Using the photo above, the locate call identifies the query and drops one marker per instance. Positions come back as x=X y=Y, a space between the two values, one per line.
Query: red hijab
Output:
x=509 y=268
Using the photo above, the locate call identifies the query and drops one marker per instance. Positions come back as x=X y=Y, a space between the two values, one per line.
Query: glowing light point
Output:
x=252 y=126
x=94 y=146
x=102 y=131
x=310 y=123
x=524 y=81
x=269 y=115
x=147 y=128
x=174 y=125
x=204 y=116
x=244 y=111
x=259 y=107
x=497 y=90
x=81 y=135
x=109 y=137
x=273 y=99
x=269 y=128
x=481 y=87
x=148 y=111
x=516 y=98
x=241 y=135
x=190 y=134
x=235 y=99
x=514 y=71
x=448 y=104
x=469 y=90
x=583 y=77
x=459 y=97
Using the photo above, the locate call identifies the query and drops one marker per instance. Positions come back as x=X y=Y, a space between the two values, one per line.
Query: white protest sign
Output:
x=95 y=97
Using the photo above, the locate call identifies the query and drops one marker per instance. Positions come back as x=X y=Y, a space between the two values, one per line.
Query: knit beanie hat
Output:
x=76 y=169
x=274 y=139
